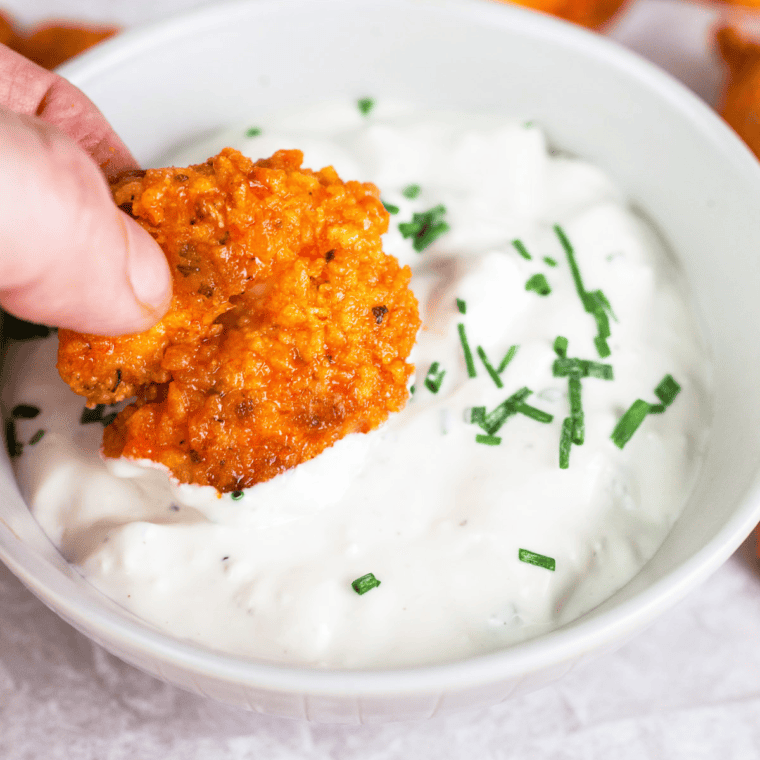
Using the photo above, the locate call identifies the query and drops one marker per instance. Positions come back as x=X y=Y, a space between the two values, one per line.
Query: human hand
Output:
x=68 y=256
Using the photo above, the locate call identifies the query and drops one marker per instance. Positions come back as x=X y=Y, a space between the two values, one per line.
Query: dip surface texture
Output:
x=461 y=521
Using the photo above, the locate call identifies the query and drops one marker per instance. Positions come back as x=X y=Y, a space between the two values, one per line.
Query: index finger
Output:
x=29 y=89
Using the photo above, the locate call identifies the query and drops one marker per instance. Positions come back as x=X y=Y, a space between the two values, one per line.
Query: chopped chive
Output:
x=488 y=440
x=540 y=560
x=667 y=390
x=565 y=366
x=92 y=415
x=462 y=306
x=412 y=390
x=25 y=411
x=365 y=583
x=657 y=408
x=492 y=422
x=466 y=349
x=519 y=246
x=570 y=253
x=597 y=370
x=252 y=132
x=602 y=347
x=560 y=347
x=434 y=378
x=390 y=208
x=507 y=359
x=425 y=227
x=549 y=261
x=236 y=495
x=535 y=414
x=565 y=442
x=15 y=447
x=108 y=419
x=411 y=191
x=539 y=284
x=595 y=303
x=37 y=437
x=629 y=423
x=491 y=371
x=365 y=105
x=576 y=410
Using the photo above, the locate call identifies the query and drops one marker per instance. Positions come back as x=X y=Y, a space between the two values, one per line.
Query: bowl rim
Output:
x=565 y=645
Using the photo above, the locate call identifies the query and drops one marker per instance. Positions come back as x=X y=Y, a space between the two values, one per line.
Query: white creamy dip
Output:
x=436 y=516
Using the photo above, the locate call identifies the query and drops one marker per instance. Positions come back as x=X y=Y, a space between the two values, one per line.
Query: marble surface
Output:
x=687 y=688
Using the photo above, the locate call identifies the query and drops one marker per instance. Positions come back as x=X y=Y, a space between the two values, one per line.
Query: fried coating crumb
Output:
x=740 y=101
x=289 y=327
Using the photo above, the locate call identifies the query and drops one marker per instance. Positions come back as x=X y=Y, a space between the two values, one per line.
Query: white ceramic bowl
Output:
x=172 y=82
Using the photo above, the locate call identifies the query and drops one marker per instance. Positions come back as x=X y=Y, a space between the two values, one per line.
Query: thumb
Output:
x=68 y=256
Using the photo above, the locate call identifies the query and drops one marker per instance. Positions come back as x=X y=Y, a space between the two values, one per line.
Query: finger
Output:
x=27 y=88
x=68 y=256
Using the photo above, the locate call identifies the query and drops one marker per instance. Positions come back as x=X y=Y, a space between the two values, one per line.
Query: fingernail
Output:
x=147 y=269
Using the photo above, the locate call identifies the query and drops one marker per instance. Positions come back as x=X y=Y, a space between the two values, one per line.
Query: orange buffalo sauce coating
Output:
x=740 y=102
x=289 y=327
x=51 y=44
x=590 y=13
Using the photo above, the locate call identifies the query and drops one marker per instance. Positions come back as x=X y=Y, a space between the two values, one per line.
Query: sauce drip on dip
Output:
x=452 y=530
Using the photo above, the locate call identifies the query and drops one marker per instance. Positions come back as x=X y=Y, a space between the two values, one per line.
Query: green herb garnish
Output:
x=492 y=422
x=236 y=495
x=390 y=208
x=489 y=368
x=15 y=447
x=565 y=366
x=425 y=227
x=595 y=302
x=507 y=359
x=252 y=132
x=574 y=369
x=488 y=440
x=521 y=249
x=667 y=390
x=576 y=410
x=539 y=284
x=97 y=415
x=37 y=437
x=434 y=378
x=565 y=442
x=365 y=583
x=365 y=105
x=549 y=261
x=540 y=560
x=629 y=423
x=535 y=414
x=92 y=415
x=411 y=191
x=462 y=306
x=468 y=360
x=25 y=411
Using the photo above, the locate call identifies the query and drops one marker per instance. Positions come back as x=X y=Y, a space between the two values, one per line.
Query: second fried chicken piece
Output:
x=740 y=102
x=289 y=327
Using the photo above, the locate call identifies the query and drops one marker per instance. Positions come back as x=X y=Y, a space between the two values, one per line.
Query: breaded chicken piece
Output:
x=289 y=327
x=740 y=101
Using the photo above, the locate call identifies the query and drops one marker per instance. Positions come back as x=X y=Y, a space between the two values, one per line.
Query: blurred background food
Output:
x=51 y=44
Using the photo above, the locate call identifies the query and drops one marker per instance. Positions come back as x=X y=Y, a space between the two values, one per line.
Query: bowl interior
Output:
x=171 y=83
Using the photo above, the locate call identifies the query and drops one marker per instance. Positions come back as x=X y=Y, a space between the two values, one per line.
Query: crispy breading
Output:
x=289 y=327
